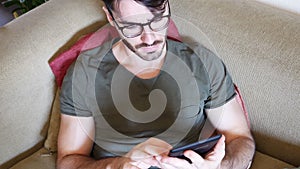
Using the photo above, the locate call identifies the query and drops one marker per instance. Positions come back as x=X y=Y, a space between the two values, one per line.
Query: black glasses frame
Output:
x=143 y=24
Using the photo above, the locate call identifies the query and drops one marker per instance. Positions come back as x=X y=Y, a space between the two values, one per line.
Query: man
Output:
x=114 y=114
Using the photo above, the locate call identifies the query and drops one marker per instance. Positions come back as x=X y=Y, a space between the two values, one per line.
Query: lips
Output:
x=150 y=48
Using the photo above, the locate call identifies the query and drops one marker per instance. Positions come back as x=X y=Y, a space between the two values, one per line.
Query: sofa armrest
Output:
x=27 y=83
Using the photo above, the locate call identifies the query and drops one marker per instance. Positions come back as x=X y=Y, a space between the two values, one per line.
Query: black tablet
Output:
x=201 y=147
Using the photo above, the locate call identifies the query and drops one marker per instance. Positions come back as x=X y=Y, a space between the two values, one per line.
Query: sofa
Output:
x=259 y=44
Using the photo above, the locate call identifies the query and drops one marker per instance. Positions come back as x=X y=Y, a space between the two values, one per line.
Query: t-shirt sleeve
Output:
x=221 y=89
x=73 y=92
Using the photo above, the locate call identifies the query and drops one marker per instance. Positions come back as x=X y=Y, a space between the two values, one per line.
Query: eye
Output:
x=132 y=30
x=157 y=19
x=132 y=27
x=159 y=23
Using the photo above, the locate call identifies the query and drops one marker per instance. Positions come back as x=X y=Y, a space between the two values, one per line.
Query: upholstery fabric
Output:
x=258 y=43
x=263 y=161
x=39 y=160
x=51 y=141
x=26 y=82
x=260 y=46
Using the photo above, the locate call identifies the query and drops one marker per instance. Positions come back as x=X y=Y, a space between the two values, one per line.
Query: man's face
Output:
x=150 y=44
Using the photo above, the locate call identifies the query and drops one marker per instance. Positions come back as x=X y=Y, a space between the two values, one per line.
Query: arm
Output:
x=75 y=142
x=236 y=151
x=240 y=145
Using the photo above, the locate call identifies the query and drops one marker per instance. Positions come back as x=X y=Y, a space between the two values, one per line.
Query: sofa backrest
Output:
x=27 y=84
x=259 y=44
x=261 y=47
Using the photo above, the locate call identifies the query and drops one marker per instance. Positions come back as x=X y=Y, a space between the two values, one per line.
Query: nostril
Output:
x=148 y=38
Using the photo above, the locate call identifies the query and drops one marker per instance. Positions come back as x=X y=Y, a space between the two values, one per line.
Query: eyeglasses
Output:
x=156 y=24
x=136 y=29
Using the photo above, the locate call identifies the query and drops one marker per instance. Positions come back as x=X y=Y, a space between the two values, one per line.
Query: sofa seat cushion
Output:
x=40 y=159
x=263 y=161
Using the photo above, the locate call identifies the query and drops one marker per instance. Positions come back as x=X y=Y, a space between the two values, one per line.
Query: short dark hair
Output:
x=152 y=5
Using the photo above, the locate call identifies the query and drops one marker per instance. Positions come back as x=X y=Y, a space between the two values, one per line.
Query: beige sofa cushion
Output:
x=39 y=160
x=93 y=11
x=262 y=161
x=51 y=141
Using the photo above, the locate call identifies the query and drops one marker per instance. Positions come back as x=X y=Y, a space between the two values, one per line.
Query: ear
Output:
x=108 y=16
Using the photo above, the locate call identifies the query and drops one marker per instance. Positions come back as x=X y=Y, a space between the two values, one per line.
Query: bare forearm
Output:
x=239 y=153
x=84 y=162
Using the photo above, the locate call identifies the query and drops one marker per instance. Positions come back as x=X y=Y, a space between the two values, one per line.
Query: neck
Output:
x=133 y=63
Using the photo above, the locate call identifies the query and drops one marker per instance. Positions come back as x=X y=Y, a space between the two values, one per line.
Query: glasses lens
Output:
x=159 y=23
x=135 y=30
x=132 y=30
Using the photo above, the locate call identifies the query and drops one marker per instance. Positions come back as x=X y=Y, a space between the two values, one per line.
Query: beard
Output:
x=147 y=55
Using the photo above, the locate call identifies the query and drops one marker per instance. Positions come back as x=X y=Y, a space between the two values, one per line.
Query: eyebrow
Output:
x=135 y=23
x=128 y=23
x=155 y=15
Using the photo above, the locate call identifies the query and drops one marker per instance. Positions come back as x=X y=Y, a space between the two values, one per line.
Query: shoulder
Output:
x=87 y=64
x=193 y=51
x=196 y=55
x=94 y=56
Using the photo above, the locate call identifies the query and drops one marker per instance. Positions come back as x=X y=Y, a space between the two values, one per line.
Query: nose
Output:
x=148 y=36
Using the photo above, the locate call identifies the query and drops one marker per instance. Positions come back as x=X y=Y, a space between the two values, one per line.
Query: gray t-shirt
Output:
x=127 y=110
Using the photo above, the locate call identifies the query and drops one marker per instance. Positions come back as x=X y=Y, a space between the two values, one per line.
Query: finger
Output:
x=167 y=166
x=220 y=144
x=144 y=157
x=131 y=166
x=152 y=161
x=215 y=156
x=193 y=156
x=159 y=143
x=154 y=150
x=140 y=165
x=141 y=155
x=173 y=162
x=154 y=147
x=219 y=151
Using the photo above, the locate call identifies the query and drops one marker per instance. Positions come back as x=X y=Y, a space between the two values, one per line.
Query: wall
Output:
x=290 y=5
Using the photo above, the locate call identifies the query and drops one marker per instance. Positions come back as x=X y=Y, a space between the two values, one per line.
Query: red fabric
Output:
x=242 y=103
x=62 y=62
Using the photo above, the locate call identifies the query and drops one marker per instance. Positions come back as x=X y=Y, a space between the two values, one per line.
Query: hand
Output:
x=211 y=161
x=145 y=155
